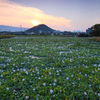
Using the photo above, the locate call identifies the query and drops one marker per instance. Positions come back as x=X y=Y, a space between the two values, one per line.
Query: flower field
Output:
x=49 y=68
x=95 y=39
x=6 y=36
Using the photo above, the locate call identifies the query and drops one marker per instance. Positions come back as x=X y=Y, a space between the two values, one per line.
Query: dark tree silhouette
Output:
x=96 y=27
x=96 y=30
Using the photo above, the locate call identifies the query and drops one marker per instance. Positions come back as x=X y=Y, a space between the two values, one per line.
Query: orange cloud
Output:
x=16 y=15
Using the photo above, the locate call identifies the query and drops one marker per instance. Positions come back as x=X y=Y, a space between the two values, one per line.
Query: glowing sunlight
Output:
x=35 y=22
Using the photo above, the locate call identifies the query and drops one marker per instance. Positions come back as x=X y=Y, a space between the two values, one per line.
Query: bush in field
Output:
x=83 y=35
x=6 y=36
x=96 y=30
x=95 y=39
x=95 y=33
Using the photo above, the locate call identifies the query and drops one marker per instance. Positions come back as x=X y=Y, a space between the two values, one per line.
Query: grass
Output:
x=95 y=39
x=52 y=67
x=7 y=36
x=67 y=36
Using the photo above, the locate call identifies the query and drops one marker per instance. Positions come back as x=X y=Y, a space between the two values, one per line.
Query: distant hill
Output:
x=10 y=28
x=41 y=27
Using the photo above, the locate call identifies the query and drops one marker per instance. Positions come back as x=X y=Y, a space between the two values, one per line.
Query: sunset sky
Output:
x=63 y=15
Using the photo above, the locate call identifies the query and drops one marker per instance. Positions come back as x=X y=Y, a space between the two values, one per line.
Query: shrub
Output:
x=95 y=33
x=83 y=35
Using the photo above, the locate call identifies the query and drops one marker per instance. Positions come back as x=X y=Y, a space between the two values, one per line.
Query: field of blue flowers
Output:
x=49 y=68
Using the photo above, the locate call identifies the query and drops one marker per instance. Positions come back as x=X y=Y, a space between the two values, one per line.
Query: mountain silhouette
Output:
x=41 y=27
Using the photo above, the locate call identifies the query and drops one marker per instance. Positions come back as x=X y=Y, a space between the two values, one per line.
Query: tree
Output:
x=96 y=30
x=96 y=27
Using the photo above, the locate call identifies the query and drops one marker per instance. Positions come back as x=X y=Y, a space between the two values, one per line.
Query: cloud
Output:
x=97 y=19
x=16 y=15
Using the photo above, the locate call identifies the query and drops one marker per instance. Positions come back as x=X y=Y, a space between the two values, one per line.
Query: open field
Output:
x=52 y=67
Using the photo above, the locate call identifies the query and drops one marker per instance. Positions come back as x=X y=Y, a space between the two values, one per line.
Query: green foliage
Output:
x=44 y=68
x=96 y=27
x=7 y=36
x=96 y=30
x=95 y=33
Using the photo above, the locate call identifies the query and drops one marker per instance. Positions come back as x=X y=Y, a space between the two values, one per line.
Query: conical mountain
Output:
x=41 y=27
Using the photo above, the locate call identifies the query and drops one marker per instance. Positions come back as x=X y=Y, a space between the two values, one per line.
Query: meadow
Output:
x=49 y=68
x=7 y=36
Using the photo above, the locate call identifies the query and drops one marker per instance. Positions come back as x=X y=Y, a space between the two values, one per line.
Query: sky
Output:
x=63 y=15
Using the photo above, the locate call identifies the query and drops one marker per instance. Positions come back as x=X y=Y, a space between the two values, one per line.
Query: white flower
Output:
x=55 y=80
x=14 y=90
x=78 y=78
x=22 y=63
x=95 y=64
x=85 y=74
x=67 y=78
x=7 y=88
x=50 y=73
x=42 y=76
x=27 y=97
x=50 y=84
x=57 y=71
x=44 y=84
x=98 y=68
x=98 y=94
x=89 y=85
x=34 y=89
x=85 y=93
x=39 y=78
x=37 y=69
x=53 y=95
x=13 y=64
x=63 y=61
x=23 y=79
x=86 y=67
x=26 y=72
x=1 y=75
x=92 y=71
x=70 y=60
x=51 y=91
x=13 y=70
x=54 y=84
x=71 y=75
x=57 y=74
x=37 y=72
x=95 y=93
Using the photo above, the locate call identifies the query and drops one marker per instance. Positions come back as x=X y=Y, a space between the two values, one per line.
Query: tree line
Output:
x=95 y=30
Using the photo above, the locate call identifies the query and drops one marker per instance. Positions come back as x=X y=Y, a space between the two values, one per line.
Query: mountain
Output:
x=11 y=28
x=41 y=27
